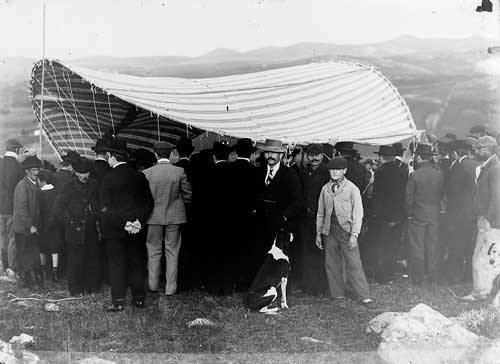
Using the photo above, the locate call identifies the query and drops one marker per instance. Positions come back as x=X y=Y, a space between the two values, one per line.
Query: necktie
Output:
x=269 y=177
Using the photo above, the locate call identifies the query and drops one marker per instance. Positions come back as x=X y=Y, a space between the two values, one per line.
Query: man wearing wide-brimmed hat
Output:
x=126 y=203
x=26 y=222
x=11 y=173
x=171 y=193
x=310 y=270
x=280 y=198
x=424 y=193
x=388 y=208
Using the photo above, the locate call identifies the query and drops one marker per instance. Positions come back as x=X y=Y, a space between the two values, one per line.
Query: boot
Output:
x=26 y=280
x=37 y=276
x=54 y=275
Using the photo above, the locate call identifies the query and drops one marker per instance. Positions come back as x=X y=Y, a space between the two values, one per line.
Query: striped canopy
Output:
x=317 y=102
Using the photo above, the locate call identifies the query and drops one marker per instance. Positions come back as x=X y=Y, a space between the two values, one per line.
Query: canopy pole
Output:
x=40 y=125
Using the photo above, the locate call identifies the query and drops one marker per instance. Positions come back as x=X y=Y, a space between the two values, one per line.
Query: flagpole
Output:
x=43 y=82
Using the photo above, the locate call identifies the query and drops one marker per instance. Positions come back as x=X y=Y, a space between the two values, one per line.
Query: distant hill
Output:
x=437 y=77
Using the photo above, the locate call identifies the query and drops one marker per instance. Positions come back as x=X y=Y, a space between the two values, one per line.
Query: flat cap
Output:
x=13 y=143
x=31 y=161
x=162 y=146
x=337 y=163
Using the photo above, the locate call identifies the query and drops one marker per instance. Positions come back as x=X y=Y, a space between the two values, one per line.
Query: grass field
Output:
x=83 y=325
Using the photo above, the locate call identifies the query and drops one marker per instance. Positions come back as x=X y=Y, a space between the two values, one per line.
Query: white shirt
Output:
x=47 y=187
x=100 y=159
x=478 y=168
x=8 y=153
x=119 y=163
x=274 y=170
x=245 y=159
x=163 y=160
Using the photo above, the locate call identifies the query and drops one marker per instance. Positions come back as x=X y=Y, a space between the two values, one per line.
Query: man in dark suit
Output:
x=424 y=192
x=101 y=165
x=11 y=173
x=388 y=206
x=311 y=268
x=126 y=202
x=460 y=219
x=66 y=172
x=356 y=172
x=243 y=203
x=280 y=199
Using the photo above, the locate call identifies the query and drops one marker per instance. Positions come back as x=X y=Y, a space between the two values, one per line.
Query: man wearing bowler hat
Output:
x=388 y=206
x=11 y=173
x=311 y=269
x=126 y=203
x=280 y=199
x=424 y=193
x=244 y=191
x=171 y=193
x=66 y=172
x=356 y=173
x=101 y=165
x=26 y=222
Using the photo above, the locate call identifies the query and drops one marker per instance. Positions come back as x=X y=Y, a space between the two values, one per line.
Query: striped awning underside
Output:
x=318 y=102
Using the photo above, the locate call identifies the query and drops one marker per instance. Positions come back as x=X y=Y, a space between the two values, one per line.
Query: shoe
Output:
x=368 y=303
x=115 y=308
x=139 y=303
x=339 y=301
x=54 y=276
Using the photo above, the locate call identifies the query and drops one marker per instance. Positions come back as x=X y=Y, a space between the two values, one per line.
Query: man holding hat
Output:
x=487 y=208
x=424 y=193
x=126 y=203
x=338 y=224
x=26 y=222
x=460 y=218
x=244 y=187
x=11 y=173
x=171 y=192
x=77 y=208
x=280 y=199
x=388 y=206
x=311 y=270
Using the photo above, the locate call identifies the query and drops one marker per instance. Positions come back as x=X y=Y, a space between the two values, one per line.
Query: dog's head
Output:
x=494 y=254
x=283 y=240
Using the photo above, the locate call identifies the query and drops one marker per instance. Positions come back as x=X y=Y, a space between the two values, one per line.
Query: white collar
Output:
x=8 y=153
x=31 y=181
x=462 y=158
x=397 y=157
x=47 y=187
x=274 y=169
x=118 y=164
x=163 y=160
x=186 y=158
x=222 y=160
x=487 y=160
x=245 y=159
x=100 y=159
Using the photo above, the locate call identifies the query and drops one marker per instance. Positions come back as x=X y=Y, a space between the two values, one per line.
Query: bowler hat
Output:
x=337 y=163
x=244 y=146
x=314 y=149
x=13 y=143
x=116 y=145
x=398 y=149
x=31 y=161
x=386 y=150
x=143 y=157
x=424 y=149
x=100 y=145
x=344 y=146
x=184 y=146
x=71 y=156
x=272 y=145
x=162 y=145
x=83 y=165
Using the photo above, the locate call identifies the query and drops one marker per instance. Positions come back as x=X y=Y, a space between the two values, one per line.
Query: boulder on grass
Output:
x=380 y=322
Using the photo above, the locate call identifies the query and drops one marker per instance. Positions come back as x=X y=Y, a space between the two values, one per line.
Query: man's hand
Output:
x=319 y=242
x=33 y=230
x=353 y=242
x=133 y=227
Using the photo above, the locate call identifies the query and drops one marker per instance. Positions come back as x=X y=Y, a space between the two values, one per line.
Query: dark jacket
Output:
x=101 y=169
x=312 y=183
x=125 y=196
x=77 y=208
x=219 y=197
x=487 y=193
x=280 y=198
x=244 y=188
x=186 y=164
x=424 y=192
x=389 y=191
x=11 y=173
x=357 y=174
x=26 y=207
x=61 y=177
x=459 y=189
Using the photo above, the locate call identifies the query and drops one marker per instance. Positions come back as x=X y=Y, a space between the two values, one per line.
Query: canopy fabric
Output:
x=317 y=102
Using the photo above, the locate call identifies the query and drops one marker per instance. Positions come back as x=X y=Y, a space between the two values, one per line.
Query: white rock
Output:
x=489 y=353
x=95 y=360
x=23 y=339
x=380 y=322
x=200 y=322
x=51 y=307
x=8 y=354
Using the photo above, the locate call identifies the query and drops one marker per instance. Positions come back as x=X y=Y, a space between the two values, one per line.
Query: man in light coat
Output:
x=171 y=192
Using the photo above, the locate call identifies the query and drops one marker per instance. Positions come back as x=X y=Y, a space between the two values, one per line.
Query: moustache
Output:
x=271 y=159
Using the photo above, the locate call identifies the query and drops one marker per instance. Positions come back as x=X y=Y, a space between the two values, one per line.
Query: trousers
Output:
x=126 y=263
x=7 y=243
x=423 y=239
x=335 y=251
x=171 y=235
x=84 y=267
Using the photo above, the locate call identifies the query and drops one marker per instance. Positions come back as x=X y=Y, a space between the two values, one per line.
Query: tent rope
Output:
x=92 y=90
x=111 y=114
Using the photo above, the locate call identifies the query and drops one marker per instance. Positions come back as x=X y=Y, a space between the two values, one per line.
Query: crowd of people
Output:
x=173 y=220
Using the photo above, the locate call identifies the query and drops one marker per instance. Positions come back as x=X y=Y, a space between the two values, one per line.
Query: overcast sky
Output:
x=77 y=28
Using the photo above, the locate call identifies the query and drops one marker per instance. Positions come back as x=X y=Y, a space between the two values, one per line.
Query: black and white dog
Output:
x=273 y=274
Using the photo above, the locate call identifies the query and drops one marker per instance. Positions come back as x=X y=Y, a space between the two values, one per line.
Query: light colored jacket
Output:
x=348 y=207
x=171 y=192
